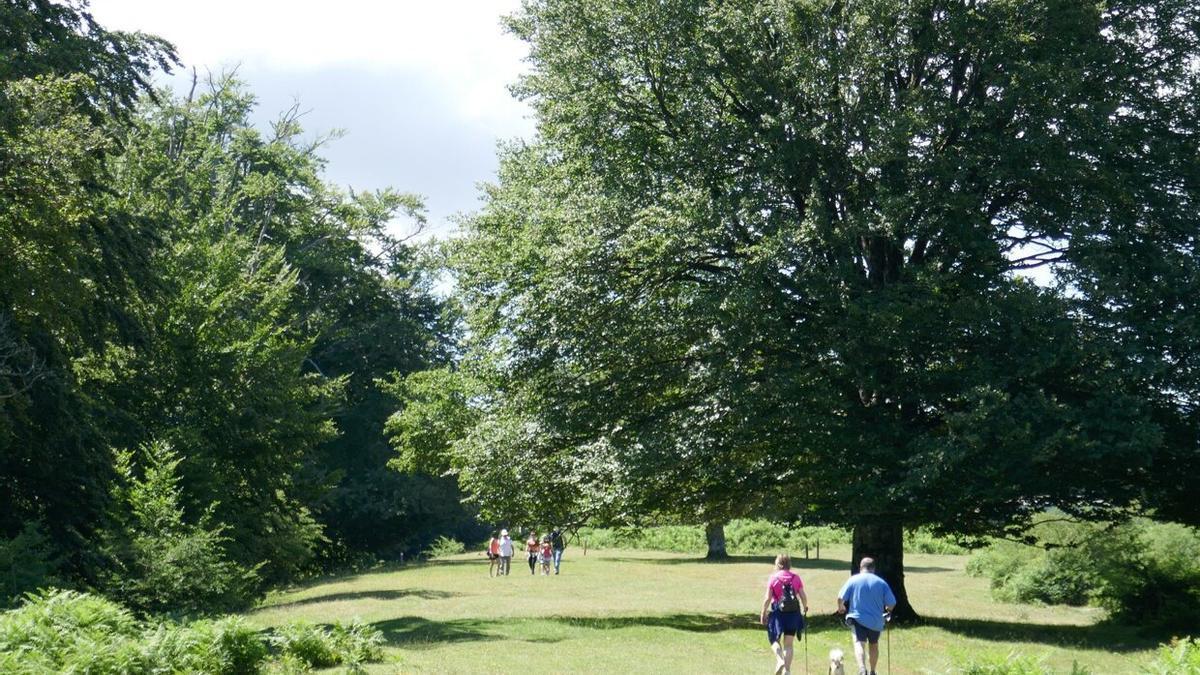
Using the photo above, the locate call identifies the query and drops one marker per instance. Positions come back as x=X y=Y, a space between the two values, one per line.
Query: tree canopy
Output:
x=852 y=262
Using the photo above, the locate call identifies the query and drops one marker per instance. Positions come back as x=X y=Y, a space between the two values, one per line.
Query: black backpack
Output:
x=789 y=603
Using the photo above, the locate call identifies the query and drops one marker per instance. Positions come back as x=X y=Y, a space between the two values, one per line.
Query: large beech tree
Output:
x=846 y=261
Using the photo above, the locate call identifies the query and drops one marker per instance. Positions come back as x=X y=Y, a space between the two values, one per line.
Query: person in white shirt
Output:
x=506 y=552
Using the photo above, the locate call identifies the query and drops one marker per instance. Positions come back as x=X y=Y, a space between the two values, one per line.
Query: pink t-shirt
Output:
x=781 y=577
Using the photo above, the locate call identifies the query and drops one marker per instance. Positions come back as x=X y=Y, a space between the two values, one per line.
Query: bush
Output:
x=1145 y=574
x=163 y=563
x=311 y=646
x=755 y=536
x=443 y=547
x=745 y=536
x=27 y=563
x=307 y=644
x=1181 y=657
x=1148 y=574
x=924 y=541
x=64 y=631
x=357 y=643
x=1008 y=664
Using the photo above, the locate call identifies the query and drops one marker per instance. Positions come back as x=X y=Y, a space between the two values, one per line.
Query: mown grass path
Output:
x=645 y=612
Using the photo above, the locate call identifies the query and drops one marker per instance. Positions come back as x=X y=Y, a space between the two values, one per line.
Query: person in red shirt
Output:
x=531 y=549
x=783 y=610
x=546 y=555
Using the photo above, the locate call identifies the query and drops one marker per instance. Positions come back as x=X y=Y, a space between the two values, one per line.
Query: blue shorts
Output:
x=783 y=623
x=861 y=632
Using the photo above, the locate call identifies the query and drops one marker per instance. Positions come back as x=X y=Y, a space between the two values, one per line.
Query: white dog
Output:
x=835 y=662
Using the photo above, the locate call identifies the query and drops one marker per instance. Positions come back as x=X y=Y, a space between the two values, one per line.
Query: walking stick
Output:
x=887 y=623
x=806 y=644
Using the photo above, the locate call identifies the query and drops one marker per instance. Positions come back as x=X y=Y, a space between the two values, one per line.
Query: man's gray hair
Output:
x=867 y=565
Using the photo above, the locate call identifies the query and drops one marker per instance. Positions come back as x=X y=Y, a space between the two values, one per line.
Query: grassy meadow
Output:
x=615 y=611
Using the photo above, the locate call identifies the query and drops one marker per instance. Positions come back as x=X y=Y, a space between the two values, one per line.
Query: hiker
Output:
x=531 y=549
x=866 y=599
x=557 y=544
x=506 y=553
x=493 y=553
x=547 y=554
x=783 y=610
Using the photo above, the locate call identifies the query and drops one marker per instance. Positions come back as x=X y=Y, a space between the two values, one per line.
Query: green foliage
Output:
x=63 y=631
x=1008 y=664
x=1148 y=575
x=164 y=563
x=923 y=540
x=1145 y=574
x=444 y=546
x=1181 y=657
x=743 y=536
x=353 y=644
x=1021 y=573
x=225 y=645
x=434 y=412
x=722 y=283
x=307 y=643
x=27 y=563
x=62 y=38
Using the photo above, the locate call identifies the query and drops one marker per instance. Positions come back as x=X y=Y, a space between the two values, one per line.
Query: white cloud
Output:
x=459 y=43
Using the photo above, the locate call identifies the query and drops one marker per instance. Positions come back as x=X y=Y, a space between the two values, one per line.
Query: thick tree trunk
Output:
x=715 y=534
x=884 y=541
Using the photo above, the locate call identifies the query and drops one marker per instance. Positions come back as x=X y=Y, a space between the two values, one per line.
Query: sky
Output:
x=419 y=88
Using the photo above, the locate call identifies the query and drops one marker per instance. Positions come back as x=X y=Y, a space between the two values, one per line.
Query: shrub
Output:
x=64 y=631
x=924 y=541
x=27 y=563
x=1144 y=573
x=357 y=643
x=444 y=546
x=1148 y=574
x=312 y=646
x=162 y=562
x=1007 y=664
x=745 y=536
x=307 y=644
x=756 y=536
x=1181 y=657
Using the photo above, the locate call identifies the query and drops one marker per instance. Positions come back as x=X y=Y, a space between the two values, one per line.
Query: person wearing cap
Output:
x=865 y=599
x=506 y=552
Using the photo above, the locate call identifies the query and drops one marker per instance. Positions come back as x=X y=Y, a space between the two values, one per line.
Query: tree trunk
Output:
x=884 y=541
x=715 y=534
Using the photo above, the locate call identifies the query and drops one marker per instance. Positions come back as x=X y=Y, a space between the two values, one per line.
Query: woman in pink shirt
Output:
x=493 y=553
x=783 y=610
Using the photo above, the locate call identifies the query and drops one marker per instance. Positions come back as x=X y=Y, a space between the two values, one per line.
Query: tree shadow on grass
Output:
x=769 y=560
x=693 y=623
x=1108 y=637
x=441 y=562
x=415 y=632
x=397 y=594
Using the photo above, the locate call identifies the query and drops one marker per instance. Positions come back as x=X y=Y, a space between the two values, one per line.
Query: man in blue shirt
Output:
x=864 y=599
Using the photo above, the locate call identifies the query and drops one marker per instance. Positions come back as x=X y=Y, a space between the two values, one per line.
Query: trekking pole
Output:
x=887 y=624
x=805 y=617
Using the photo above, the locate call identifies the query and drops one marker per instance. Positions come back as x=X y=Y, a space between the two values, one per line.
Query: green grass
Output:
x=622 y=611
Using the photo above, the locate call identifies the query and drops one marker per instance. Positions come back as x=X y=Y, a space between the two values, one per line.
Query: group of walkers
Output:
x=865 y=599
x=542 y=553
